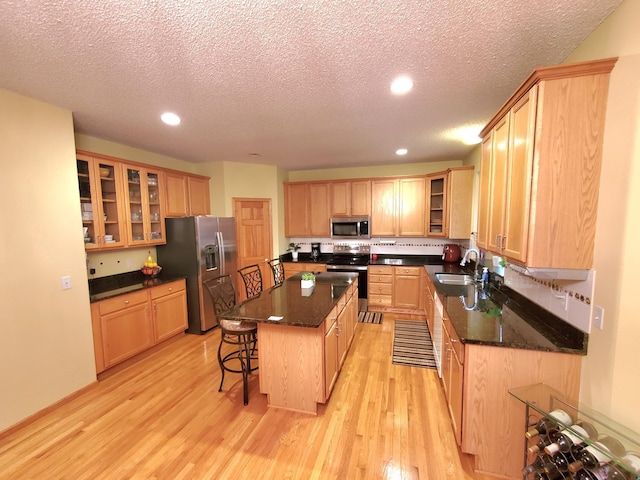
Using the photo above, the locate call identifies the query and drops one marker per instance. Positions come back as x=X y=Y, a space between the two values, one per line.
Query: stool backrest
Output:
x=252 y=278
x=278 y=271
x=222 y=293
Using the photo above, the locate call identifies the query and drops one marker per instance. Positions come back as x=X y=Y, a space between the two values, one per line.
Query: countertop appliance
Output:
x=350 y=227
x=200 y=248
x=351 y=258
x=315 y=251
x=451 y=253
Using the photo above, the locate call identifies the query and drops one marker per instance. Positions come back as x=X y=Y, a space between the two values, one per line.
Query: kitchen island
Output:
x=303 y=337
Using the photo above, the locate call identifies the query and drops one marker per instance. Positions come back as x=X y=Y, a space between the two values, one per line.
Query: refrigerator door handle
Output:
x=223 y=266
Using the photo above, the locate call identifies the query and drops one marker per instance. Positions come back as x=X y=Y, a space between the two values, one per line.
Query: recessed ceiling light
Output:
x=170 y=118
x=402 y=151
x=401 y=85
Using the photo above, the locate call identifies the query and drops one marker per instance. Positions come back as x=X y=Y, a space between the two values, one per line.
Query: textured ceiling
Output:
x=303 y=84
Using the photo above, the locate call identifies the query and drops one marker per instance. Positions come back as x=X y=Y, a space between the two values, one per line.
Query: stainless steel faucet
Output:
x=464 y=260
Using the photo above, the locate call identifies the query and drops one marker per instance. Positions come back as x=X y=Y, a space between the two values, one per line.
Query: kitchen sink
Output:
x=455 y=279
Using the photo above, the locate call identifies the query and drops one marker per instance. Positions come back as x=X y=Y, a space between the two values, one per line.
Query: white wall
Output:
x=610 y=371
x=46 y=347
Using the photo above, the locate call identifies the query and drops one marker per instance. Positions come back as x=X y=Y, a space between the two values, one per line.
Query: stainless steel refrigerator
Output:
x=201 y=248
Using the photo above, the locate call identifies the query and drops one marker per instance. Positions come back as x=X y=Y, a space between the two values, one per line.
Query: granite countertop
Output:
x=297 y=308
x=114 y=285
x=499 y=316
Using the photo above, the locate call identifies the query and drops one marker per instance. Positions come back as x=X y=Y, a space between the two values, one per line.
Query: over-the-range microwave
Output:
x=350 y=227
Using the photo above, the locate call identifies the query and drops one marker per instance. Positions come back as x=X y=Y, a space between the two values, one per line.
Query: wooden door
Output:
x=361 y=197
x=253 y=237
x=436 y=199
x=340 y=198
x=176 y=198
x=296 y=209
x=519 y=171
x=319 y=210
x=498 y=183
x=485 y=191
x=199 y=203
x=384 y=207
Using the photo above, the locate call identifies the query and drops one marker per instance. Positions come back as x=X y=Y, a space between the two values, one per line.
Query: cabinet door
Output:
x=176 y=197
x=361 y=198
x=340 y=198
x=296 y=198
x=169 y=315
x=343 y=336
x=384 y=207
x=446 y=363
x=459 y=200
x=455 y=393
x=411 y=206
x=406 y=288
x=498 y=183
x=144 y=208
x=519 y=171
x=126 y=333
x=485 y=191
x=330 y=358
x=319 y=210
x=199 y=203
x=436 y=205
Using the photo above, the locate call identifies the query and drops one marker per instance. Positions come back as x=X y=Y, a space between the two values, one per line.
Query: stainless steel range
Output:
x=352 y=258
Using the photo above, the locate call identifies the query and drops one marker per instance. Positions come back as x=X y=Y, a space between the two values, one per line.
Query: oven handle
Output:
x=347 y=268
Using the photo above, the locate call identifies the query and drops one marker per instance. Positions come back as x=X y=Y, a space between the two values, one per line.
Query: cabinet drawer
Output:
x=330 y=320
x=381 y=288
x=162 y=290
x=380 y=278
x=382 y=300
x=122 y=301
x=413 y=271
x=376 y=269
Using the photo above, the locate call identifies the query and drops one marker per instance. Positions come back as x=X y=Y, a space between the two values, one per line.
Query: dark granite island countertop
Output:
x=300 y=355
x=297 y=308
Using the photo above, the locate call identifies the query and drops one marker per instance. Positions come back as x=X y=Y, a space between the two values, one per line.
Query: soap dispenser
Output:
x=485 y=276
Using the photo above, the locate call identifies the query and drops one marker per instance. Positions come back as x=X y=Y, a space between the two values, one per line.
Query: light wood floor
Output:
x=163 y=418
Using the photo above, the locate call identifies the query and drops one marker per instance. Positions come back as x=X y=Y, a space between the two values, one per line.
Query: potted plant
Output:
x=293 y=248
x=308 y=280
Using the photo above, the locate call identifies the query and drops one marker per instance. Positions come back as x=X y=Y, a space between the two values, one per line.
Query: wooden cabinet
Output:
x=101 y=199
x=291 y=268
x=449 y=198
x=126 y=325
x=541 y=160
x=350 y=198
x=397 y=207
x=296 y=217
x=428 y=292
x=186 y=195
x=169 y=310
x=330 y=352
x=319 y=210
x=394 y=289
x=144 y=208
x=452 y=375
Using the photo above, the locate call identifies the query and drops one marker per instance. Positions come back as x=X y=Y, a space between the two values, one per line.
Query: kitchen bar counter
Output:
x=297 y=308
x=498 y=316
x=114 y=285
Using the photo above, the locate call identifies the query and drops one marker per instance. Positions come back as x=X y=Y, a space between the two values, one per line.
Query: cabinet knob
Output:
x=171 y=289
x=126 y=302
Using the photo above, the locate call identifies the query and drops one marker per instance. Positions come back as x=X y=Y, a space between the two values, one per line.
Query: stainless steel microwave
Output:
x=350 y=227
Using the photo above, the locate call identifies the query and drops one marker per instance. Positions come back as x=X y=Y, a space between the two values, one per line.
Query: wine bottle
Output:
x=539 y=446
x=575 y=435
x=598 y=473
x=632 y=462
x=594 y=455
x=560 y=463
x=538 y=466
x=549 y=422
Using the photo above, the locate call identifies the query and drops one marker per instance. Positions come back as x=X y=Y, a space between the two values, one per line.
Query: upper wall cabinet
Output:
x=350 y=198
x=101 y=199
x=186 y=195
x=449 y=197
x=398 y=207
x=144 y=206
x=540 y=168
x=303 y=217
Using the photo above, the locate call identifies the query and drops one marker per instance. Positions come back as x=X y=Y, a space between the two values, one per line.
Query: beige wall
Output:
x=46 y=347
x=610 y=371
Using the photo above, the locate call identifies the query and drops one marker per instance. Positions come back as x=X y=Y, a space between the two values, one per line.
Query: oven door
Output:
x=362 y=276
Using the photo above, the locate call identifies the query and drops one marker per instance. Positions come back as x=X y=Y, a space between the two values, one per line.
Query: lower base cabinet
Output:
x=129 y=324
x=395 y=290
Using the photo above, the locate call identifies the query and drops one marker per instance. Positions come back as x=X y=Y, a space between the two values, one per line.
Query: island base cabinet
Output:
x=492 y=428
x=291 y=366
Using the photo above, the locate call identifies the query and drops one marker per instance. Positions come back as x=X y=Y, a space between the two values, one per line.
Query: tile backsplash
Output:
x=384 y=246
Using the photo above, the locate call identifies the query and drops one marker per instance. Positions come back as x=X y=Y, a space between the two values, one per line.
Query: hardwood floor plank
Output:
x=163 y=418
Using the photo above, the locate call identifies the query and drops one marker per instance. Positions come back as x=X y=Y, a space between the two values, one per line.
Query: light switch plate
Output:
x=598 y=316
x=66 y=282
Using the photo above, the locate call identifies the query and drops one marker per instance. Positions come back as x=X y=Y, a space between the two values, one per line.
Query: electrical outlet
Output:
x=66 y=282
x=598 y=316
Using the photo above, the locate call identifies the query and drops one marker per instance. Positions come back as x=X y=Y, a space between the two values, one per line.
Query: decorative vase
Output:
x=294 y=255
x=306 y=283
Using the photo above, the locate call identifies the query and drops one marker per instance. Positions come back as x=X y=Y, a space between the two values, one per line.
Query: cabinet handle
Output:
x=503 y=242
x=453 y=340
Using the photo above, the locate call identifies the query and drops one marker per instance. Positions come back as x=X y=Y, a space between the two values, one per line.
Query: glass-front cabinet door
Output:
x=101 y=201
x=144 y=206
x=437 y=205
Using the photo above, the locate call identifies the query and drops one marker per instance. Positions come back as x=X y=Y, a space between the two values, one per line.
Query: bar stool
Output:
x=278 y=271
x=252 y=278
x=241 y=335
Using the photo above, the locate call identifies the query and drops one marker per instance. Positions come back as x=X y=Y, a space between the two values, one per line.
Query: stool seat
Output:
x=238 y=326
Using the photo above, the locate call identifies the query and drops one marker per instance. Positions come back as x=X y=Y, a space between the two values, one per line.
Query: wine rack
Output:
x=540 y=401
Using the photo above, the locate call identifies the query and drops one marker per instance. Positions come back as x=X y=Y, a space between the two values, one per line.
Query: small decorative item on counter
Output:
x=151 y=267
x=308 y=280
x=293 y=248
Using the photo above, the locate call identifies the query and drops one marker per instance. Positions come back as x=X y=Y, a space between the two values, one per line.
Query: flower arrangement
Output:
x=293 y=247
